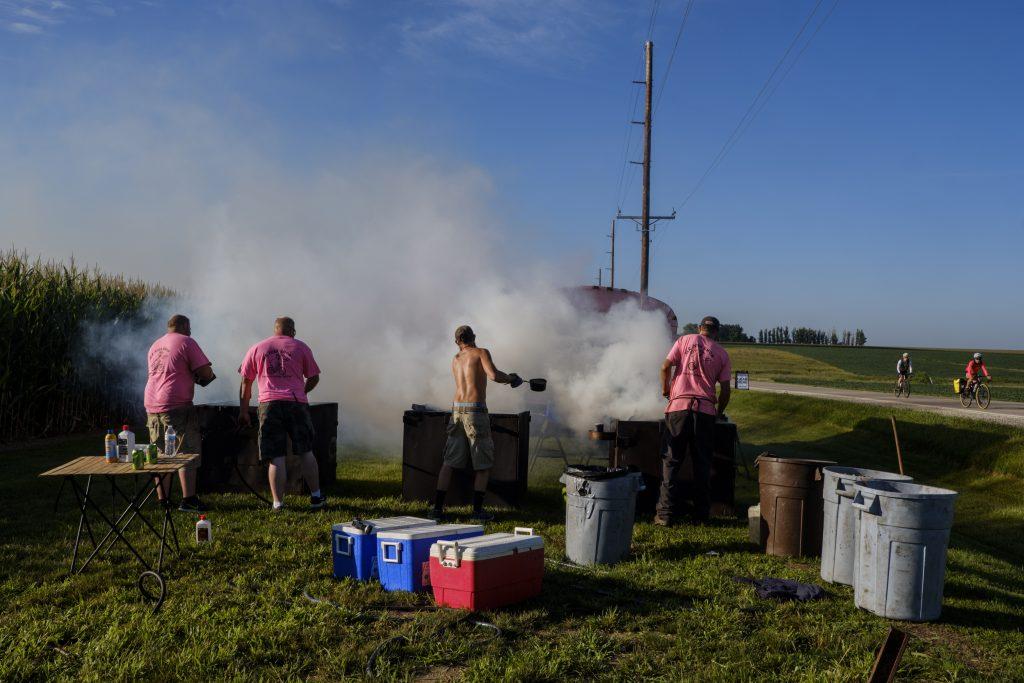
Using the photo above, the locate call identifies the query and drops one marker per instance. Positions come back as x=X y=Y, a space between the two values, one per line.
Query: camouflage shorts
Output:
x=185 y=421
x=469 y=439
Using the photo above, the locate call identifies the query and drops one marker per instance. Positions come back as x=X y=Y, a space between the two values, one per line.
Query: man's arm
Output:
x=493 y=373
x=666 y=377
x=204 y=375
x=244 y=396
x=724 y=394
x=311 y=383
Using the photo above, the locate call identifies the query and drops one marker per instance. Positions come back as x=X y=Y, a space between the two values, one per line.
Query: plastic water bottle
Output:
x=170 y=441
x=110 y=447
x=125 y=444
x=204 y=530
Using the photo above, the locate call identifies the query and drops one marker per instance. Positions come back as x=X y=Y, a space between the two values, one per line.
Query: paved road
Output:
x=1005 y=412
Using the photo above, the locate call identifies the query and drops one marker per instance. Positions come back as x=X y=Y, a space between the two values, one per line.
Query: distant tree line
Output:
x=726 y=333
x=806 y=335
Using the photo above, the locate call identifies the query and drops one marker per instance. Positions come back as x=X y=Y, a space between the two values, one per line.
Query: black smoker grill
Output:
x=231 y=456
x=423 y=447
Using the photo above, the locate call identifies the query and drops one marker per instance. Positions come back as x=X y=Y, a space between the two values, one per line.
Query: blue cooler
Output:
x=354 y=545
x=401 y=554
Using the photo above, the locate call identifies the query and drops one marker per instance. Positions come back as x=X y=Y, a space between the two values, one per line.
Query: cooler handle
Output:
x=523 y=531
x=384 y=545
x=442 y=549
x=340 y=540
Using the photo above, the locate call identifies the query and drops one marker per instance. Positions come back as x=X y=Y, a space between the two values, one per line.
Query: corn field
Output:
x=43 y=306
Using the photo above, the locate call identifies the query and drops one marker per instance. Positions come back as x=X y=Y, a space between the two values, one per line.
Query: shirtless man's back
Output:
x=469 y=434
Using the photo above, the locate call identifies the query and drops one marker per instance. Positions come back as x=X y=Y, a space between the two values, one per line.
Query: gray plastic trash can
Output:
x=600 y=507
x=839 y=533
x=901 y=548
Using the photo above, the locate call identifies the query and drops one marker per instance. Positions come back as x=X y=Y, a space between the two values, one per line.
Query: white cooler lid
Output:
x=436 y=531
x=383 y=524
x=489 y=546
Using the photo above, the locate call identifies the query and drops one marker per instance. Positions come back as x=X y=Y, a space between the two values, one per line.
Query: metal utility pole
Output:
x=645 y=221
x=612 y=252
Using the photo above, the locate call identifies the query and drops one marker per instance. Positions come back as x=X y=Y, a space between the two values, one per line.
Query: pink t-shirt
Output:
x=280 y=366
x=700 y=362
x=173 y=359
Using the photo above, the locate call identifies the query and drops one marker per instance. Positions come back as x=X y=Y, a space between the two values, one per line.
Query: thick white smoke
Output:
x=378 y=265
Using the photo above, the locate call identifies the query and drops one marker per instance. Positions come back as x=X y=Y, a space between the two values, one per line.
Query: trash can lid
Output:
x=795 y=461
x=595 y=472
x=845 y=472
x=904 y=489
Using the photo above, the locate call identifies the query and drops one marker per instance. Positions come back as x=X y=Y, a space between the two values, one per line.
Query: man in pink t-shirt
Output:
x=285 y=372
x=699 y=364
x=176 y=365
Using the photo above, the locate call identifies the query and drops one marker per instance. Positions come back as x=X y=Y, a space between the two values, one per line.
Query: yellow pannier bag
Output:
x=956 y=386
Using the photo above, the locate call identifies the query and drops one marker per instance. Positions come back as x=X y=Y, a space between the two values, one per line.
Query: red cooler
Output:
x=487 y=571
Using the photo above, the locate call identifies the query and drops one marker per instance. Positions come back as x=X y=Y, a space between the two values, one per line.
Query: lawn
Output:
x=873 y=368
x=236 y=609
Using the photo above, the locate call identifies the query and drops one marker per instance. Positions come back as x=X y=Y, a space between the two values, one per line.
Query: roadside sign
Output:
x=742 y=379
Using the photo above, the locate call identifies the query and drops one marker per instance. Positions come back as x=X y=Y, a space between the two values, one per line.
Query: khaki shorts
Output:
x=469 y=438
x=185 y=421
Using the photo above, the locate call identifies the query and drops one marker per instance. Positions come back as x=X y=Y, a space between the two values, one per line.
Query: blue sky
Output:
x=888 y=156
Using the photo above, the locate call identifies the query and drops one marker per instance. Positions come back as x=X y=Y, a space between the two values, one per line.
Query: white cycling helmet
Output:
x=906 y=355
x=977 y=356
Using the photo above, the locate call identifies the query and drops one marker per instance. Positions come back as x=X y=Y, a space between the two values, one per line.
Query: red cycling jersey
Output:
x=974 y=366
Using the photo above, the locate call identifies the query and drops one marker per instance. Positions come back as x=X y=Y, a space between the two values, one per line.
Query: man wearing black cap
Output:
x=693 y=406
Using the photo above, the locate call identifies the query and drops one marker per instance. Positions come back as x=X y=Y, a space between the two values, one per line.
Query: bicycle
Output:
x=902 y=387
x=976 y=390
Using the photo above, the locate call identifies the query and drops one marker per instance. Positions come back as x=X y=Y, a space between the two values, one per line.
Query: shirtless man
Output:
x=469 y=434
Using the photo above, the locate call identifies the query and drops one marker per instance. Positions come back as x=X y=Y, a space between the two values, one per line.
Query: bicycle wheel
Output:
x=966 y=396
x=898 y=389
x=984 y=396
x=906 y=388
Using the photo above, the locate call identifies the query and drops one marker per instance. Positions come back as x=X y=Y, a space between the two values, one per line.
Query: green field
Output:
x=235 y=610
x=872 y=368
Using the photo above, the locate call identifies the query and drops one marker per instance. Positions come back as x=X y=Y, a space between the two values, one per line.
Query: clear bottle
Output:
x=110 y=447
x=204 y=530
x=170 y=441
x=125 y=444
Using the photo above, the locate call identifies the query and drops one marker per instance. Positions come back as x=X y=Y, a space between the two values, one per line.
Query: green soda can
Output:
x=152 y=453
x=138 y=459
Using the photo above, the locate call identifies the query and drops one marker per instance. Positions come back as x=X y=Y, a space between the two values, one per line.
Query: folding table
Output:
x=91 y=466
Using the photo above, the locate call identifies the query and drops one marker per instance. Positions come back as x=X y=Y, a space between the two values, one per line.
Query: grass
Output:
x=873 y=368
x=235 y=609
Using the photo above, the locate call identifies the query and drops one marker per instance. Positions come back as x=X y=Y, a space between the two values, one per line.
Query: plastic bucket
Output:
x=791 y=505
x=839 y=534
x=599 y=515
x=901 y=548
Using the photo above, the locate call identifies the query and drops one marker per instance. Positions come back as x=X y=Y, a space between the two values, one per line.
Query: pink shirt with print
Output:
x=173 y=360
x=280 y=366
x=700 y=363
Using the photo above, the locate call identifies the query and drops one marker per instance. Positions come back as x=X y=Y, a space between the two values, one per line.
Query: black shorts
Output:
x=280 y=420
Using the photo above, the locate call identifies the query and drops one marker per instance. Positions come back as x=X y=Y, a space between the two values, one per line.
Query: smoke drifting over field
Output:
x=378 y=266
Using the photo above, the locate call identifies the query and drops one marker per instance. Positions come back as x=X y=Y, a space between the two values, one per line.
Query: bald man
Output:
x=285 y=372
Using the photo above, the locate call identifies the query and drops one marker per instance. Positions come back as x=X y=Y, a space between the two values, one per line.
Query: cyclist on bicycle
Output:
x=975 y=368
x=904 y=368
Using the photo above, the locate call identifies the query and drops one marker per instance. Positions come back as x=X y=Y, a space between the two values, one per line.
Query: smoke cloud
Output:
x=378 y=265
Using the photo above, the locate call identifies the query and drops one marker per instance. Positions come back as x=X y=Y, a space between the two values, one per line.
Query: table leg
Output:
x=114 y=529
x=136 y=508
x=83 y=520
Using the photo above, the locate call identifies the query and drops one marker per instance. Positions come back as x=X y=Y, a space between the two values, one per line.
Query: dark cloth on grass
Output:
x=783 y=589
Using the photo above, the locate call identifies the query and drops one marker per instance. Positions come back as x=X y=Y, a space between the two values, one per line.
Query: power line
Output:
x=671 y=58
x=730 y=141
